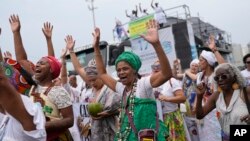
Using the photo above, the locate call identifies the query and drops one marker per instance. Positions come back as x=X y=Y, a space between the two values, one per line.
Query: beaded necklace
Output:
x=129 y=103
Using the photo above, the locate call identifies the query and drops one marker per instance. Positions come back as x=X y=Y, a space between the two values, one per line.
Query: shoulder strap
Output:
x=246 y=99
x=49 y=88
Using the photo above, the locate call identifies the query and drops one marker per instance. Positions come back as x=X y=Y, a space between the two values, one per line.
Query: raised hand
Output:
x=15 y=23
x=212 y=44
x=200 y=89
x=47 y=29
x=7 y=54
x=152 y=34
x=70 y=42
x=96 y=36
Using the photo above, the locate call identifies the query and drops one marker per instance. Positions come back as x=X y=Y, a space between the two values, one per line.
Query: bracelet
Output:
x=71 y=51
x=98 y=54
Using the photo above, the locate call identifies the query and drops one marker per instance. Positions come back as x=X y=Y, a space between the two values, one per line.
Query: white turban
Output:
x=209 y=56
x=195 y=61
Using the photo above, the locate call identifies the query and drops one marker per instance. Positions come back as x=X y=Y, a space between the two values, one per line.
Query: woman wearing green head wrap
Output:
x=132 y=59
x=137 y=97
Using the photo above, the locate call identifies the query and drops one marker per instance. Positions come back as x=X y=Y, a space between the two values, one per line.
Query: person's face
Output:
x=73 y=81
x=95 y=82
x=156 y=67
x=126 y=73
x=194 y=68
x=224 y=79
x=248 y=63
x=42 y=69
x=203 y=63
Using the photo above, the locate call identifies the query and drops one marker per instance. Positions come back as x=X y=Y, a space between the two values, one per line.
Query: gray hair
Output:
x=233 y=71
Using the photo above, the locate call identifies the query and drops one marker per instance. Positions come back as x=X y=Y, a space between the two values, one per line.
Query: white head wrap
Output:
x=195 y=61
x=209 y=56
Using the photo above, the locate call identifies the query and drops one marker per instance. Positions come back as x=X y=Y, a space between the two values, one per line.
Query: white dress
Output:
x=12 y=130
x=231 y=115
x=209 y=127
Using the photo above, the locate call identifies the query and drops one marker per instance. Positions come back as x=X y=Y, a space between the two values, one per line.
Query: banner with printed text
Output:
x=138 y=26
x=147 y=53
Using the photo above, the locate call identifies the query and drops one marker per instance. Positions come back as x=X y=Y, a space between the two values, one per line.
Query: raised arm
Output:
x=70 y=43
x=15 y=27
x=213 y=47
x=152 y=4
x=140 y=8
x=152 y=37
x=202 y=111
x=136 y=11
x=11 y=102
x=107 y=79
x=191 y=75
x=47 y=31
x=126 y=12
x=64 y=77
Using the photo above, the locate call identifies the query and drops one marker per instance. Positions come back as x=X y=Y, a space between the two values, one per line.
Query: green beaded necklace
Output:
x=131 y=103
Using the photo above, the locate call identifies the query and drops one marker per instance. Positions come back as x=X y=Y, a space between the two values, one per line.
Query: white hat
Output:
x=209 y=56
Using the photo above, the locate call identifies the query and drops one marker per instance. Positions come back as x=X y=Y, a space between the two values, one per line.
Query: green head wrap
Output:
x=131 y=58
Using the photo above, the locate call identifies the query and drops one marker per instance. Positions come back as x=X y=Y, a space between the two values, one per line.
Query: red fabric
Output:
x=55 y=66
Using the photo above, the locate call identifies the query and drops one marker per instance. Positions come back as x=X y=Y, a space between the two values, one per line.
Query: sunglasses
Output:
x=156 y=67
x=248 y=62
x=222 y=77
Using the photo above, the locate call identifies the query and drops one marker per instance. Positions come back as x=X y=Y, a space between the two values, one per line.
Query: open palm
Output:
x=47 y=29
x=212 y=45
x=96 y=37
x=15 y=23
x=70 y=42
x=152 y=34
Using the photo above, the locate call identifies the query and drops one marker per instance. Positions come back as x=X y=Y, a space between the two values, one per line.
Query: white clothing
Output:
x=75 y=96
x=231 y=115
x=246 y=74
x=160 y=15
x=158 y=103
x=144 y=88
x=209 y=127
x=74 y=93
x=58 y=95
x=168 y=90
x=14 y=130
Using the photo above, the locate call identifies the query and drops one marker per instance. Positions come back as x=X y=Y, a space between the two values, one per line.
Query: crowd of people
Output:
x=41 y=102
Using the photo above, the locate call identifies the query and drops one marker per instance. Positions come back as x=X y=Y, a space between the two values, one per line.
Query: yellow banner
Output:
x=138 y=27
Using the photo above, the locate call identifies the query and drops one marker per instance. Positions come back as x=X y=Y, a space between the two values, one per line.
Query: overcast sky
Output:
x=73 y=17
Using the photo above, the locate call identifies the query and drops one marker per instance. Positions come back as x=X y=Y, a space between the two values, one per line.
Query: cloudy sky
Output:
x=73 y=17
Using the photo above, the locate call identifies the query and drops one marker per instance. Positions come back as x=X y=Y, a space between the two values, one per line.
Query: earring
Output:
x=235 y=86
